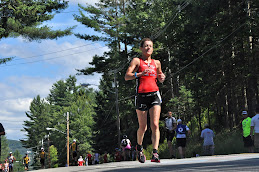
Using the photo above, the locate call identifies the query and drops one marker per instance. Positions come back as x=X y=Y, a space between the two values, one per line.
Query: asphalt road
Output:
x=234 y=162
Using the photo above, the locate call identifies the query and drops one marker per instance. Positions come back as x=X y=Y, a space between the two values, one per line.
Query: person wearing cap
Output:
x=11 y=159
x=255 y=128
x=26 y=160
x=208 y=144
x=170 y=124
x=73 y=148
x=246 y=127
x=42 y=158
x=181 y=132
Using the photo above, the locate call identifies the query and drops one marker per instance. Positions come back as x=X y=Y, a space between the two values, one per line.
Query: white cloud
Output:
x=83 y=2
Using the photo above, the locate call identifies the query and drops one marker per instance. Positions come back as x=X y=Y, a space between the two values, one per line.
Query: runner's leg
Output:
x=154 y=124
x=142 y=121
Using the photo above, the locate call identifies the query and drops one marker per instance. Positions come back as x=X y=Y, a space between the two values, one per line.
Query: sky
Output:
x=38 y=65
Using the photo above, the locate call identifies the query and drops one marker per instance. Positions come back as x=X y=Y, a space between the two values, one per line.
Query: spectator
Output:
x=86 y=160
x=246 y=126
x=181 y=132
x=6 y=166
x=208 y=145
x=96 y=158
x=170 y=124
x=73 y=148
x=133 y=153
x=125 y=146
x=255 y=128
x=105 y=157
x=1 y=167
x=80 y=161
x=117 y=155
x=89 y=156
x=42 y=158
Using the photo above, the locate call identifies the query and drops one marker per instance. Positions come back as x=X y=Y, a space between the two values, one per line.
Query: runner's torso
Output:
x=147 y=83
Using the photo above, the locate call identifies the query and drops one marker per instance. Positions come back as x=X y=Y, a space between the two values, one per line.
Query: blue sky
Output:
x=38 y=65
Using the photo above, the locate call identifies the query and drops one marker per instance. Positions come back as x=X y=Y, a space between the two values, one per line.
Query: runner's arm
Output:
x=131 y=72
x=160 y=74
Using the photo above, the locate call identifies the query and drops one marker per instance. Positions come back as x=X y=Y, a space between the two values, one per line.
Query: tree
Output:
x=25 y=18
x=53 y=156
x=4 y=148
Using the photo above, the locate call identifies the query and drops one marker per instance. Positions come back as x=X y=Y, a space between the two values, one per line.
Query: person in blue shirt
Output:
x=181 y=132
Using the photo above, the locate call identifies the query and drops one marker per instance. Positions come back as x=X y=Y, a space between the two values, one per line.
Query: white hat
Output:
x=244 y=112
x=179 y=120
x=74 y=140
x=11 y=152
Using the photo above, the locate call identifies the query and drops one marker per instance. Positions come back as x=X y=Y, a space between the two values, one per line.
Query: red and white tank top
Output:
x=147 y=83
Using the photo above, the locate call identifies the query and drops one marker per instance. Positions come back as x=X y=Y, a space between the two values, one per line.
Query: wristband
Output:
x=135 y=74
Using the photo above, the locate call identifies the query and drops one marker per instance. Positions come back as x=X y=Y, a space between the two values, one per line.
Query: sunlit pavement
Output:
x=234 y=162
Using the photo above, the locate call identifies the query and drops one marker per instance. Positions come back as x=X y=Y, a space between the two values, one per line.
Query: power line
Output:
x=54 y=52
x=52 y=57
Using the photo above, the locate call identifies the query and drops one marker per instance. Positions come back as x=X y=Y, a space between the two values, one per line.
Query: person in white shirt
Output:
x=170 y=124
x=208 y=144
x=255 y=128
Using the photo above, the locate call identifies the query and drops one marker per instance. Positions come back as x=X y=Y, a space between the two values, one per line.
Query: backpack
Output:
x=124 y=142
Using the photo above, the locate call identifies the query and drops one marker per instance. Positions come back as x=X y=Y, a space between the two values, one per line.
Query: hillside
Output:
x=16 y=145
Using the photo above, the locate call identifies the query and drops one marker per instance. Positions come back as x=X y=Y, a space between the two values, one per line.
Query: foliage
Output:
x=51 y=112
x=25 y=18
x=53 y=156
x=4 y=148
x=203 y=47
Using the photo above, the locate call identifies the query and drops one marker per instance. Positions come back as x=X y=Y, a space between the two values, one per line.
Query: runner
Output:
x=147 y=70
x=26 y=161
x=11 y=159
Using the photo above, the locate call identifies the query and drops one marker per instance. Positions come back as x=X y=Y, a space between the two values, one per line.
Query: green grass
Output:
x=227 y=142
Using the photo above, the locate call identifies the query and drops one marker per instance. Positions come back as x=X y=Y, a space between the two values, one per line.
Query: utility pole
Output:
x=117 y=109
x=48 y=151
x=67 y=139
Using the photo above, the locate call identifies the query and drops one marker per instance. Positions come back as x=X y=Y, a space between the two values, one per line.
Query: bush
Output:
x=227 y=142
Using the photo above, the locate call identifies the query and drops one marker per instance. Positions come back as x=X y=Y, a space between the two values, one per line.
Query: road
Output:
x=234 y=162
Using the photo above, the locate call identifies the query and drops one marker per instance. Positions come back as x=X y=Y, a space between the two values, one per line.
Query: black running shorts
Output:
x=248 y=142
x=170 y=135
x=181 y=142
x=145 y=101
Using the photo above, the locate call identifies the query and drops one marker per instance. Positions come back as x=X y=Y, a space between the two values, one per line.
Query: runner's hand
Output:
x=161 y=77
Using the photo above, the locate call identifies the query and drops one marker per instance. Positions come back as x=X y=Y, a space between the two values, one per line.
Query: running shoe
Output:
x=141 y=157
x=155 y=158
